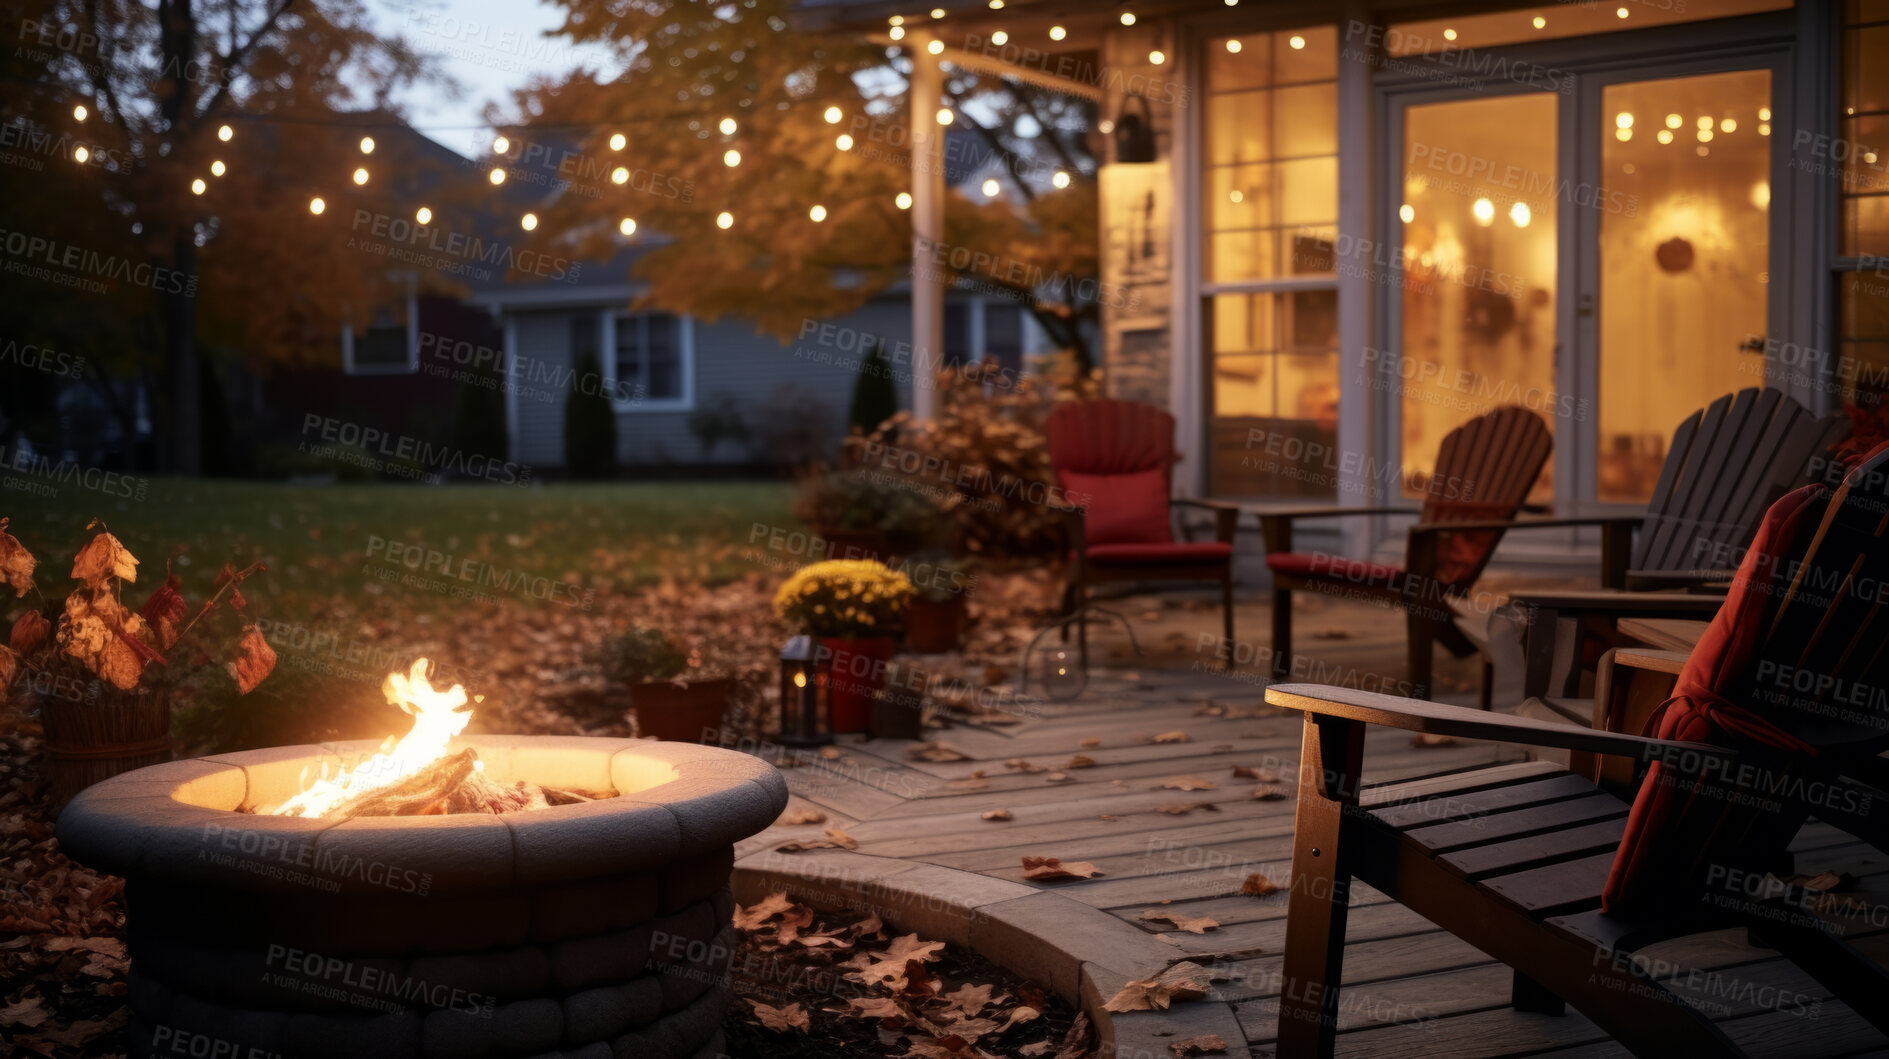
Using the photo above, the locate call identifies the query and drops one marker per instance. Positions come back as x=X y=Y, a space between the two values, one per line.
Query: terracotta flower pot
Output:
x=855 y=673
x=931 y=627
x=681 y=713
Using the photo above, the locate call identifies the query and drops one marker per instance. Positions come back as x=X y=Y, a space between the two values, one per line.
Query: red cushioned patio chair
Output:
x=1484 y=471
x=1115 y=460
x=1777 y=715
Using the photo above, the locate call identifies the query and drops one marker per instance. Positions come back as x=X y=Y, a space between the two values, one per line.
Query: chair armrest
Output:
x=1276 y=526
x=1419 y=715
x=1614 y=601
x=1226 y=517
x=1528 y=523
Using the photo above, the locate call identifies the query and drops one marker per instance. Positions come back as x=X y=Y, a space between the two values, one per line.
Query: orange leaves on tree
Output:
x=254 y=661
x=16 y=563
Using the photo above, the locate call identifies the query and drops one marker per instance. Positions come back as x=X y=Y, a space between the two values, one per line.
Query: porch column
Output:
x=928 y=204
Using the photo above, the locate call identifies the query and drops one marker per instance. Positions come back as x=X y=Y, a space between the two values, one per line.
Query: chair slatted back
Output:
x=1808 y=667
x=1728 y=463
x=1108 y=436
x=1484 y=470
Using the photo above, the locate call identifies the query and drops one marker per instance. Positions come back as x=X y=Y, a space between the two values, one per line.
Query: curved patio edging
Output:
x=1080 y=952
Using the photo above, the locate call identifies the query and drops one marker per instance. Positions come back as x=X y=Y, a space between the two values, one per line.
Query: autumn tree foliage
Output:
x=814 y=230
x=121 y=107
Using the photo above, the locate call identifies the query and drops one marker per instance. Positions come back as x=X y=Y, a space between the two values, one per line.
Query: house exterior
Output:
x=1348 y=227
x=688 y=395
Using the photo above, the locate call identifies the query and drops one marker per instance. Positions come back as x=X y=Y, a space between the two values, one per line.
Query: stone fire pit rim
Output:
x=176 y=823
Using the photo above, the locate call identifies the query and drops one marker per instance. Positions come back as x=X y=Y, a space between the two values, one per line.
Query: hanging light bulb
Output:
x=944 y=115
x=904 y=200
x=423 y=215
x=996 y=5
x=617 y=140
x=197 y=186
x=360 y=176
x=620 y=175
x=79 y=112
x=628 y=226
x=844 y=143
x=367 y=145
x=937 y=12
x=496 y=176
x=833 y=115
x=500 y=145
x=1128 y=18
x=936 y=47
x=1520 y=214
x=818 y=213
x=1157 y=57
x=731 y=158
x=1061 y=179
x=1234 y=46
x=991 y=188
x=1000 y=38
x=1296 y=43
x=528 y=222
x=724 y=220
x=728 y=126
x=1057 y=33
x=896 y=33
x=217 y=168
x=1406 y=213
x=315 y=205
x=1484 y=211
x=81 y=153
x=224 y=132
x=897 y=20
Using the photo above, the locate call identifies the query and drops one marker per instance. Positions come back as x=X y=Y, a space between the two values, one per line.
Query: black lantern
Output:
x=804 y=719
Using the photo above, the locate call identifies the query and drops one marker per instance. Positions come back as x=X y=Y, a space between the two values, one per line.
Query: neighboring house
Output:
x=688 y=394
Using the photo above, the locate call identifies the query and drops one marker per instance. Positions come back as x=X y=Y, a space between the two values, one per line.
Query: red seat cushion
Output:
x=1175 y=553
x=1122 y=508
x=1675 y=812
x=1334 y=568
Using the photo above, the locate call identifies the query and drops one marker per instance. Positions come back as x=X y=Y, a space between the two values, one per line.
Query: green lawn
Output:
x=327 y=540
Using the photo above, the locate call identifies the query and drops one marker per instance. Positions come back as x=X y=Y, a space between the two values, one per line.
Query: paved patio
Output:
x=928 y=861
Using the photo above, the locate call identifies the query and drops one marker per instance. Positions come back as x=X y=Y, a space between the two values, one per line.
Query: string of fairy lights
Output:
x=618 y=142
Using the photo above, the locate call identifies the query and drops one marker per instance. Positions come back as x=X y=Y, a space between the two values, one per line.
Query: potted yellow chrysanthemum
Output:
x=855 y=608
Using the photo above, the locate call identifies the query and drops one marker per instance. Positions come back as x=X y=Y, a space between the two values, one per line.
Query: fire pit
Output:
x=596 y=928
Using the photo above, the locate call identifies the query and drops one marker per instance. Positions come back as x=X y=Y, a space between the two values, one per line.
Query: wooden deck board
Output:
x=1452 y=998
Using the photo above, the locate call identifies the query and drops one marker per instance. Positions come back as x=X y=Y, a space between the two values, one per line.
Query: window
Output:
x=1270 y=208
x=652 y=362
x=957 y=334
x=1860 y=376
x=1437 y=36
x=389 y=345
x=1003 y=335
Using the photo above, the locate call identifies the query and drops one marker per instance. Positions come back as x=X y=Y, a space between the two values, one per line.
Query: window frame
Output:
x=624 y=403
x=412 y=366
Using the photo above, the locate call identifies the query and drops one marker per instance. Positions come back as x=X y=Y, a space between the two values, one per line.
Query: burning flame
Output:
x=437 y=718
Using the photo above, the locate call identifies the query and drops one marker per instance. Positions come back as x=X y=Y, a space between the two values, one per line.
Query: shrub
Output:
x=856 y=501
x=479 y=418
x=875 y=394
x=985 y=450
x=719 y=419
x=590 y=424
x=845 y=598
x=792 y=428
x=639 y=655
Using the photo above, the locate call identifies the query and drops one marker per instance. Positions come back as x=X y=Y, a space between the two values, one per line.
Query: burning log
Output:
x=424 y=793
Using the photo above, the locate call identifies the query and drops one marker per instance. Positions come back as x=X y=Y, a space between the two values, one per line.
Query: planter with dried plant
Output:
x=101 y=675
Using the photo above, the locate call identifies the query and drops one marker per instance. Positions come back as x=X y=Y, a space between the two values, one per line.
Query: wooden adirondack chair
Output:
x=1563 y=882
x=1115 y=461
x=1728 y=463
x=1484 y=471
